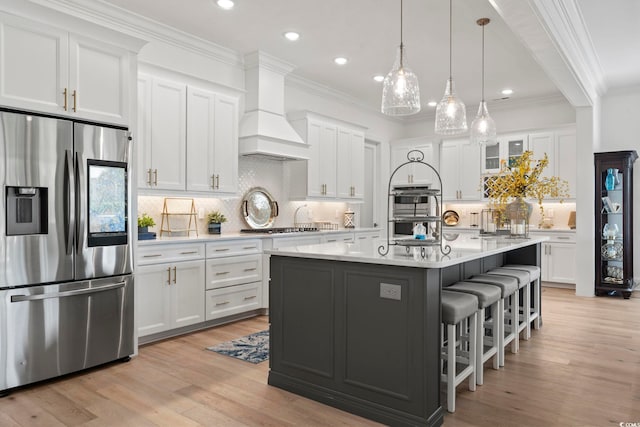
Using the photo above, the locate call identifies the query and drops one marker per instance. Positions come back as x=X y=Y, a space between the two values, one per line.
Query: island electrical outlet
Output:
x=390 y=291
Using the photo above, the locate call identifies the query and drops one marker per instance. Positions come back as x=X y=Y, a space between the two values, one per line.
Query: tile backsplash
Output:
x=253 y=172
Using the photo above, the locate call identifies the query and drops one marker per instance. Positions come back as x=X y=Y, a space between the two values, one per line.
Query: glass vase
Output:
x=611 y=178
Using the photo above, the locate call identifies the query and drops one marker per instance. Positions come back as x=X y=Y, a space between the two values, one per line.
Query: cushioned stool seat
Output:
x=459 y=309
x=524 y=322
x=534 y=276
x=489 y=296
x=505 y=328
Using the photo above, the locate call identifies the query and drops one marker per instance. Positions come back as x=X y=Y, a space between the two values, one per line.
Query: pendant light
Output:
x=451 y=114
x=483 y=128
x=400 y=91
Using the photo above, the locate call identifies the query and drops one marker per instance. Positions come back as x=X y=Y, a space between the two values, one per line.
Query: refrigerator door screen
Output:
x=107 y=204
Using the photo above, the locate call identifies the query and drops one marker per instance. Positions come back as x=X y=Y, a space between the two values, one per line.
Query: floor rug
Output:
x=252 y=348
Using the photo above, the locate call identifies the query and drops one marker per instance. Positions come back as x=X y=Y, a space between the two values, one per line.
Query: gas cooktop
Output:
x=277 y=230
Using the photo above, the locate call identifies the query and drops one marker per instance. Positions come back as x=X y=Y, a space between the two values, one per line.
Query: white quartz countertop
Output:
x=464 y=248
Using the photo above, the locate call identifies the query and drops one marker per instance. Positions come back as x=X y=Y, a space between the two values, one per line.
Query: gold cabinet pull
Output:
x=149 y=177
x=169 y=275
x=175 y=274
x=217 y=182
x=65 y=98
x=250 y=297
x=221 y=273
x=222 y=303
x=151 y=256
x=251 y=269
x=155 y=177
x=213 y=182
x=188 y=252
x=75 y=100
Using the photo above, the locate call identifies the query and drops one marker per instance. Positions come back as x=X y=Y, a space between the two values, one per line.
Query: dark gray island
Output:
x=361 y=332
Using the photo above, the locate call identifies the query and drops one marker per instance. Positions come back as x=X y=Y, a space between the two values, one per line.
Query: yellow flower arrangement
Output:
x=523 y=180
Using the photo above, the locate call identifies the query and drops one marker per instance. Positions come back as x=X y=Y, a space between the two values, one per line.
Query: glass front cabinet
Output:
x=614 y=223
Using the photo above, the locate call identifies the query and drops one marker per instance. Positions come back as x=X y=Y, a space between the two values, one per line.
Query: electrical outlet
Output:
x=390 y=291
x=200 y=213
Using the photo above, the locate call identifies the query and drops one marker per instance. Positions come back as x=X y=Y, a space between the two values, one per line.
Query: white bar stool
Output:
x=459 y=314
x=488 y=296
x=534 y=276
x=505 y=328
x=524 y=322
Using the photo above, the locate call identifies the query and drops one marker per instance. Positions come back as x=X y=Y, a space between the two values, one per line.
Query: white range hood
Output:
x=264 y=129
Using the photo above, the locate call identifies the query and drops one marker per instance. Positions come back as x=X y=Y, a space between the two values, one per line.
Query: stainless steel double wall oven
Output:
x=66 y=289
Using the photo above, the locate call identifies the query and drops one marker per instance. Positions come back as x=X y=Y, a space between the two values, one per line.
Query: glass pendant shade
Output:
x=483 y=128
x=400 y=90
x=451 y=114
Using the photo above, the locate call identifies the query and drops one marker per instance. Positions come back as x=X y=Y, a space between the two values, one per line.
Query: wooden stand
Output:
x=183 y=207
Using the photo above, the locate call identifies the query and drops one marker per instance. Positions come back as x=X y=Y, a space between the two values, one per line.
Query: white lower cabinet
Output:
x=176 y=286
x=170 y=295
x=234 y=278
x=558 y=262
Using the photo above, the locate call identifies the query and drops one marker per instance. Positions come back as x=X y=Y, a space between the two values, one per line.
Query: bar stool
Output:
x=534 y=276
x=505 y=327
x=459 y=314
x=488 y=296
x=524 y=322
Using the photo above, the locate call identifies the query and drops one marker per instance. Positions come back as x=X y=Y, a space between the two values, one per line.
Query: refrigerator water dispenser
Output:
x=26 y=210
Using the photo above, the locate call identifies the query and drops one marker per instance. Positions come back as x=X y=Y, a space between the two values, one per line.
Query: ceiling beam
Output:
x=557 y=38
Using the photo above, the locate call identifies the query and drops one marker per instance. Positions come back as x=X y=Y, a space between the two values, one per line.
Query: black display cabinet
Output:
x=614 y=223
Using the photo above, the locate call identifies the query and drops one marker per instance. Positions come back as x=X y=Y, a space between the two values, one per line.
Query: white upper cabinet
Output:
x=188 y=138
x=335 y=169
x=350 y=164
x=49 y=70
x=460 y=170
x=212 y=142
x=560 y=147
x=509 y=149
x=162 y=135
x=414 y=173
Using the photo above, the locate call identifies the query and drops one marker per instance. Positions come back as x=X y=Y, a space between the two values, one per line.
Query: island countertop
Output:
x=464 y=248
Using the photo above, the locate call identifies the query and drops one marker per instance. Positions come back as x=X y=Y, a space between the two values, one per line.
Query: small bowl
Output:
x=450 y=218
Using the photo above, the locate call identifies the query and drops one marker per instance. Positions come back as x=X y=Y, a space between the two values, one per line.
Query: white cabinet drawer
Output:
x=559 y=237
x=233 y=300
x=156 y=254
x=283 y=242
x=235 y=247
x=338 y=237
x=222 y=272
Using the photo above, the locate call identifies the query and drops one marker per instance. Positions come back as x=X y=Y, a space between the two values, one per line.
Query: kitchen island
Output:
x=361 y=332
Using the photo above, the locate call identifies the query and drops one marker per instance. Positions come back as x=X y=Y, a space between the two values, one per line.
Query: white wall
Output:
x=510 y=116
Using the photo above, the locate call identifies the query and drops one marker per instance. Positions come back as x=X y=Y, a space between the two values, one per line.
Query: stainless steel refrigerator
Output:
x=66 y=289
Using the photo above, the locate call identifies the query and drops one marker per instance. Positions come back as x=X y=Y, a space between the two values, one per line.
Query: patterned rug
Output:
x=252 y=348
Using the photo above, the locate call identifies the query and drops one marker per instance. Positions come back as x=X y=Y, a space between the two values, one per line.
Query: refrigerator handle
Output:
x=79 y=224
x=38 y=297
x=69 y=214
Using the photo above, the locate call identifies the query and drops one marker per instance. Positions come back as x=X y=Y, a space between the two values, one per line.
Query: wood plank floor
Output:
x=581 y=369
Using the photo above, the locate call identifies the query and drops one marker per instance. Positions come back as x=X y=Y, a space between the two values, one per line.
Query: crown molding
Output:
x=564 y=20
x=115 y=17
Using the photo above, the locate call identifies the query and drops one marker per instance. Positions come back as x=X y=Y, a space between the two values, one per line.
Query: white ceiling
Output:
x=367 y=32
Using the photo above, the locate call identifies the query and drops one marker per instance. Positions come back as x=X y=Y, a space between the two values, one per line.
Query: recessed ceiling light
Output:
x=225 y=4
x=432 y=103
x=379 y=78
x=340 y=60
x=507 y=91
x=291 y=35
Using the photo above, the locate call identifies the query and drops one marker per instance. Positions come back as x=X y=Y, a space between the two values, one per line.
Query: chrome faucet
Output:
x=295 y=215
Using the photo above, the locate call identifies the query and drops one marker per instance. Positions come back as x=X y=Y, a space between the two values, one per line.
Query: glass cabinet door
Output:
x=614 y=226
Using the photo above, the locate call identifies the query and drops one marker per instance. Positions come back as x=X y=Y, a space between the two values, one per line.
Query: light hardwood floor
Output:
x=581 y=369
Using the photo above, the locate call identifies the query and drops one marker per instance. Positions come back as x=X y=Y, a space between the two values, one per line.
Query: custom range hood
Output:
x=264 y=130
